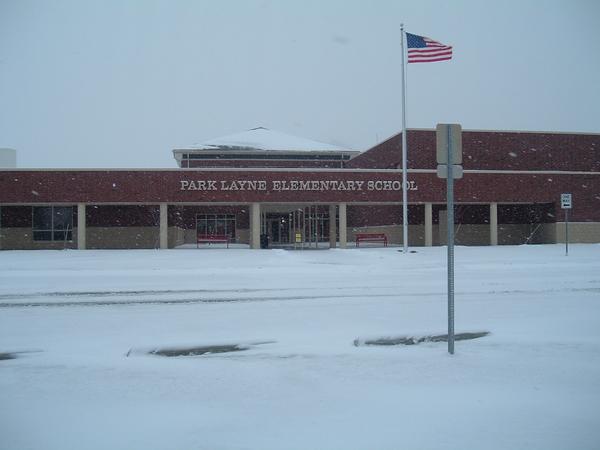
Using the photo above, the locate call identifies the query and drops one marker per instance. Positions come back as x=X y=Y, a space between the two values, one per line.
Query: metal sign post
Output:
x=566 y=232
x=566 y=204
x=450 y=225
x=449 y=156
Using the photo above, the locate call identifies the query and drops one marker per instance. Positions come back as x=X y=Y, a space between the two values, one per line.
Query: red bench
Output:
x=210 y=238
x=371 y=237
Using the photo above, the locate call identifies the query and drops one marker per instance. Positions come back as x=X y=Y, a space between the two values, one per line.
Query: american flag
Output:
x=423 y=49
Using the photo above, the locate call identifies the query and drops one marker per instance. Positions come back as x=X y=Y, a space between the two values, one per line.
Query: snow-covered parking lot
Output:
x=80 y=324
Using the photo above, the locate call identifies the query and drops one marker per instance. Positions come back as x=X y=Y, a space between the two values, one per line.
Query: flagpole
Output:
x=404 y=147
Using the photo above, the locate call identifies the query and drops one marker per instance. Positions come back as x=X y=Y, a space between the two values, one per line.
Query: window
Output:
x=52 y=223
x=216 y=224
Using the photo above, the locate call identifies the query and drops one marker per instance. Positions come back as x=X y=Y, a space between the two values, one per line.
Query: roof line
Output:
x=217 y=151
x=303 y=169
x=482 y=130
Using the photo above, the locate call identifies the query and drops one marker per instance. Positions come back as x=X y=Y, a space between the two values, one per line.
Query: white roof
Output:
x=261 y=138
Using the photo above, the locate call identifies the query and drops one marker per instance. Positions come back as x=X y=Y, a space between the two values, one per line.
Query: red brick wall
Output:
x=120 y=186
x=496 y=150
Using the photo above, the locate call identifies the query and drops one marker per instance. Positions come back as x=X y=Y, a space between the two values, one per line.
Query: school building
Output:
x=269 y=189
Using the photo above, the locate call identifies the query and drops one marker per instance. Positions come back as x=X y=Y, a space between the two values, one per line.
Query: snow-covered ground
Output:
x=534 y=383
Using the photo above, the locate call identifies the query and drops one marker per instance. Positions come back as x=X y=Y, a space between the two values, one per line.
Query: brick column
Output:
x=164 y=227
x=493 y=223
x=332 y=227
x=81 y=226
x=428 y=225
x=255 y=225
x=343 y=230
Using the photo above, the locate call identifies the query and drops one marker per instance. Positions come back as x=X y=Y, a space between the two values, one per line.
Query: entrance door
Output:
x=278 y=228
x=311 y=223
x=274 y=231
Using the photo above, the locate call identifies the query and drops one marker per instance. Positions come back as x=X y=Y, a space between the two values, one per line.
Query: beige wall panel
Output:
x=579 y=232
x=416 y=233
x=22 y=239
x=544 y=233
x=472 y=234
x=463 y=234
x=513 y=234
x=508 y=234
x=517 y=234
x=147 y=237
x=176 y=236
x=189 y=236
x=242 y=236
x=122 y=237
x=436 y=235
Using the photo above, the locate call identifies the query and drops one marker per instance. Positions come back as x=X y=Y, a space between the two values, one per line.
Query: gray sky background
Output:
x=120 y=83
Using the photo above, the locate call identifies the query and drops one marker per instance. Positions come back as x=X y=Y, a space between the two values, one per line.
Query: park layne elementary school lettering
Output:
x=294 y=185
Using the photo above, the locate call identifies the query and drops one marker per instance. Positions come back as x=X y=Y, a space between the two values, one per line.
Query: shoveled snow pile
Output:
x=86 y=332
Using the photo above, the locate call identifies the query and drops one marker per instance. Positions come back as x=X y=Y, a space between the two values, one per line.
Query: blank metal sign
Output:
x=442 y=142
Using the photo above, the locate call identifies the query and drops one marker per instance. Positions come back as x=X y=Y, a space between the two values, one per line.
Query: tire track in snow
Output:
x=177 y=301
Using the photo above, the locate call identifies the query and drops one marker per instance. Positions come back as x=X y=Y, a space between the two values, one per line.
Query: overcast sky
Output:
x=120 y=83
